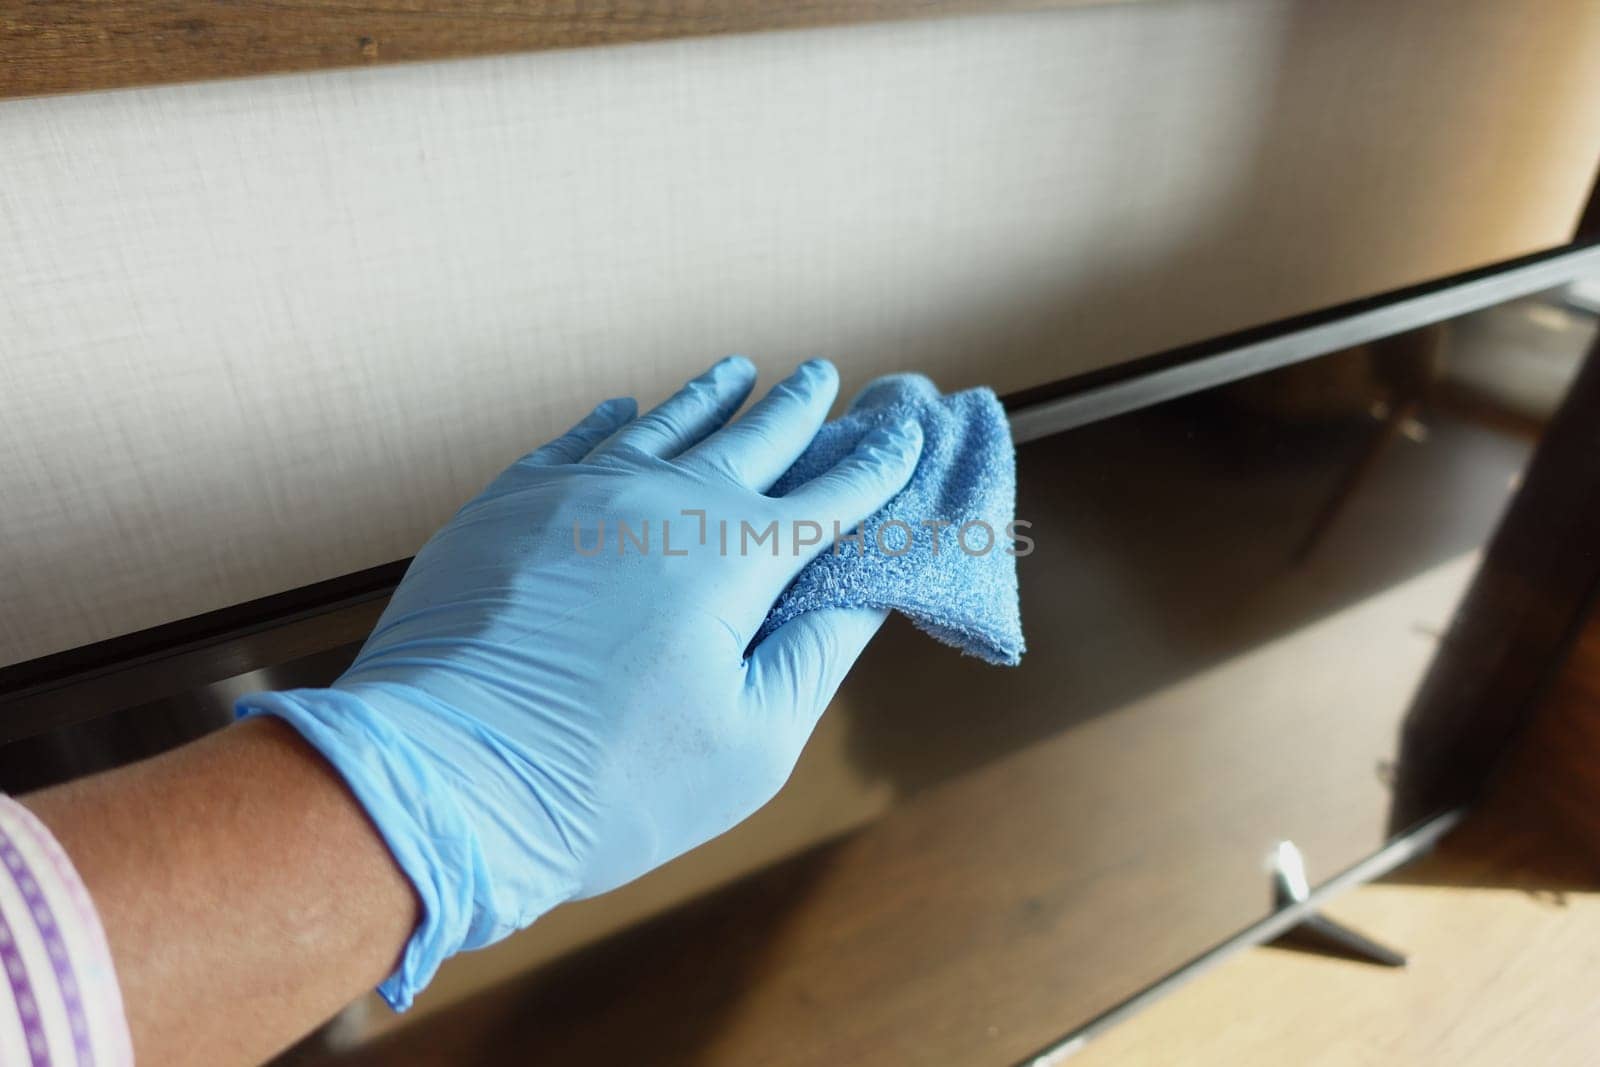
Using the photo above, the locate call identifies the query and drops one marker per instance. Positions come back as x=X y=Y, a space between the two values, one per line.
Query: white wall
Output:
x=258 y=333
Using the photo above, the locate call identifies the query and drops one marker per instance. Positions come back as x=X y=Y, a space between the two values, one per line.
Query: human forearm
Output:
x=244 y=893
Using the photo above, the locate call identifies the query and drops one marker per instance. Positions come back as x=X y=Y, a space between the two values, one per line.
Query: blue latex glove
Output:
x=529 y=724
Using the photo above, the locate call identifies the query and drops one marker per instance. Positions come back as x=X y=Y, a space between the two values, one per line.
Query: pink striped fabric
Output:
x=59 y=1002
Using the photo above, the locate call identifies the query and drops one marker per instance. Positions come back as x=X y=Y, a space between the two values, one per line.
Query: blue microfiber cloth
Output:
x=967 y=475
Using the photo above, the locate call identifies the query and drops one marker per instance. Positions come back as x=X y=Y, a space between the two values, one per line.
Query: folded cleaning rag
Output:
x=940 y=552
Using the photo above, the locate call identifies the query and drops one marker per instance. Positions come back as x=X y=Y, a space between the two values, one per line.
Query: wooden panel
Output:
x=83 y=44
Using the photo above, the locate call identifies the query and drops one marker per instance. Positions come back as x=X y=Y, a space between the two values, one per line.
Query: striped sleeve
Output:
x=59 y=1002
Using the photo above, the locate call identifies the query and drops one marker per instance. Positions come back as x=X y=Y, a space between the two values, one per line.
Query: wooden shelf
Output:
x=79 y=45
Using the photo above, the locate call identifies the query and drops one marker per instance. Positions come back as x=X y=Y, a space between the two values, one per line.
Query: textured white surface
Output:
x=265 y=332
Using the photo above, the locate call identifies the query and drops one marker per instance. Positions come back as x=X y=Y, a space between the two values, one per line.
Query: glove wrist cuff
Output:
x=414 y=810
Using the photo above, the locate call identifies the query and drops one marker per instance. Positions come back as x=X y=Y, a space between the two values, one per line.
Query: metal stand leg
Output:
x=1316 y=932
x=1405 y=847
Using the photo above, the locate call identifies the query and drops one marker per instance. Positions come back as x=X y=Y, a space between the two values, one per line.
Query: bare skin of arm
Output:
x=244 y=893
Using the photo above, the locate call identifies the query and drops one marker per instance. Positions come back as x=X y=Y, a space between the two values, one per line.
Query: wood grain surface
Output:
x=82 y=45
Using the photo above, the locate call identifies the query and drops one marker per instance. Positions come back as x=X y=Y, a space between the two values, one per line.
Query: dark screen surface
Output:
x=1236 y=605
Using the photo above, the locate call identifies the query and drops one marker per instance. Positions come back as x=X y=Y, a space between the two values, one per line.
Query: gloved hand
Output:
x=533 y=721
